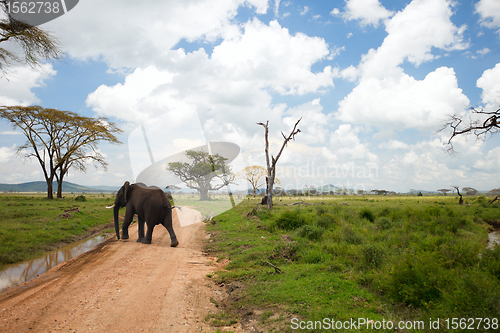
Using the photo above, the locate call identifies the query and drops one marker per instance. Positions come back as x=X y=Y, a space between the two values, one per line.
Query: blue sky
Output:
x=372 y=80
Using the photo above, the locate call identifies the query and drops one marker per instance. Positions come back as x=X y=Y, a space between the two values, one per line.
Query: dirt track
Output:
x=120 y=286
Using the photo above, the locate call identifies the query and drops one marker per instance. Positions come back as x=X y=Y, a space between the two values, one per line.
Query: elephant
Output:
x=151 y=206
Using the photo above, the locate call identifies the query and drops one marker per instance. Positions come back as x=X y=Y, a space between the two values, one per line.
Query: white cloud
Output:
x=484 y=51
x=388 y=98
x=232 y=85
x=368 y=12
x=345 y=141
x=16 y=88
x=490 y=13
x=335 y=12
x=393 y=144
x=491 y=162
x=140 y=33
x=489 y=82
x=304 y=11
x=412 y=34
x=7 y=153
x=404 y=102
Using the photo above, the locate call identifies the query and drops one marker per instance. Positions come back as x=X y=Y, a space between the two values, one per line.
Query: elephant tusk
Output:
x=110 y=207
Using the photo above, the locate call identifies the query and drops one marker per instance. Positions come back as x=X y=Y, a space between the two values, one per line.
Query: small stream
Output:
x=493 y=238
x=16 y=274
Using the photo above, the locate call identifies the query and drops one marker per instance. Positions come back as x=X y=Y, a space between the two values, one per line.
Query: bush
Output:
x=311 y=232
x=350 y=236
x=373 y=255
x=290 y=220
x=80 y=198
x=490 y=261
x=367 y=214
x=416 y=280
x=384 y=223
x=325 y=221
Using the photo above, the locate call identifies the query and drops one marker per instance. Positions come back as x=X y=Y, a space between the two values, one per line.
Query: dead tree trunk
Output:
x=461 y=200
x=271 y=163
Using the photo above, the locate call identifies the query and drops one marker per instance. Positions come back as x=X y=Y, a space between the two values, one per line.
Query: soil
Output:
x=122 y=286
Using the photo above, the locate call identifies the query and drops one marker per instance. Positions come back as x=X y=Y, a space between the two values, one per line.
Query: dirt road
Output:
x=121 y=286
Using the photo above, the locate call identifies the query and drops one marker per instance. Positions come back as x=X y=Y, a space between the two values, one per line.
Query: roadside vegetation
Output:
x=381 y=258
x=30 y=224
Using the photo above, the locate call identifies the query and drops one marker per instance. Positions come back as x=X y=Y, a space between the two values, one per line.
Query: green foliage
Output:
x=367 y=214
x=289 y=220
x=405 y=258
x=80 y=198
x=32 y=225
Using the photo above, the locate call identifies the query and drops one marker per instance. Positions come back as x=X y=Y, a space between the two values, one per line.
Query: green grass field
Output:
x=31 y=224
x=396 y=258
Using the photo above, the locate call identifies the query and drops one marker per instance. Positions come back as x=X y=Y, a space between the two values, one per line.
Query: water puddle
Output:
x=16 y=274
x=493 y=238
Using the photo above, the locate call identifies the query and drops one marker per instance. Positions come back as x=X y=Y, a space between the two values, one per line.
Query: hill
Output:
x=41 y=186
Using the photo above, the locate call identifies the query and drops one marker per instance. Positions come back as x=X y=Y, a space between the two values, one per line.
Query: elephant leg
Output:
x=141 y=229
x=129 y=215
x=149 y=234
x=167 y=223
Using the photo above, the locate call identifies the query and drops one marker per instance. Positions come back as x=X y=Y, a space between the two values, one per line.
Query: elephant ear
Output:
x=125 y=190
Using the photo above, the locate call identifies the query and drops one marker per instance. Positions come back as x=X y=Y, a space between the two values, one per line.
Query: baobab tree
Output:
x=271 y=162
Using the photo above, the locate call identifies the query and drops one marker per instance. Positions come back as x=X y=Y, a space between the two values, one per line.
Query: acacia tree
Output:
x=254 y=175
x=36 y=44
x=59 y=139
x=444 y=190
x=481 y=123
x=271 y=162
x=202 y=171
x=78 y=146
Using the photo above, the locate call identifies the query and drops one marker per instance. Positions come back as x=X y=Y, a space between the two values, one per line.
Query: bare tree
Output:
x=36 y=44
x=481 y=123
x=271 y=162
x=461 y=200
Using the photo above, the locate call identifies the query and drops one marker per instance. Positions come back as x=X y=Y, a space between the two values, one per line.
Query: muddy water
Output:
x=16 y=274
x=493 y=238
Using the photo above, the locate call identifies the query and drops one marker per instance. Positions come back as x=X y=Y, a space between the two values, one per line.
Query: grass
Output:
x=32 y=224
x=381 y=258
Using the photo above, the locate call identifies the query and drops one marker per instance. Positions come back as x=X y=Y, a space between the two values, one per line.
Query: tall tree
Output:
x=78 y=146
x=34 y=44
x=481 y=123
x=271 y=162
x=58 y=139
x=202 y=171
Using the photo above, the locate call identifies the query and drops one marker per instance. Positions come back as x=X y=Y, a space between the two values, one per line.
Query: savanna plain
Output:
x=414 y=259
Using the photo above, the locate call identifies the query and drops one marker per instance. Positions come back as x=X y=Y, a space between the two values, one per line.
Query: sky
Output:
x=373 y=82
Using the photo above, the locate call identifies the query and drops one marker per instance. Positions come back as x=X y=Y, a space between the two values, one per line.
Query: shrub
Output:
x=384 y=223
x=367 y=214
x=490 y=261
x=416 y=280
x=80 y=198
x=310 y=231
x=290 y=220
x=373 y=255
x=314 y=256
x=350 y=236
x=325 y=221
x=320 y=210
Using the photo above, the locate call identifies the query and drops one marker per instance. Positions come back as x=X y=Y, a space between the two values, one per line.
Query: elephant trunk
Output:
x=115 y=213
